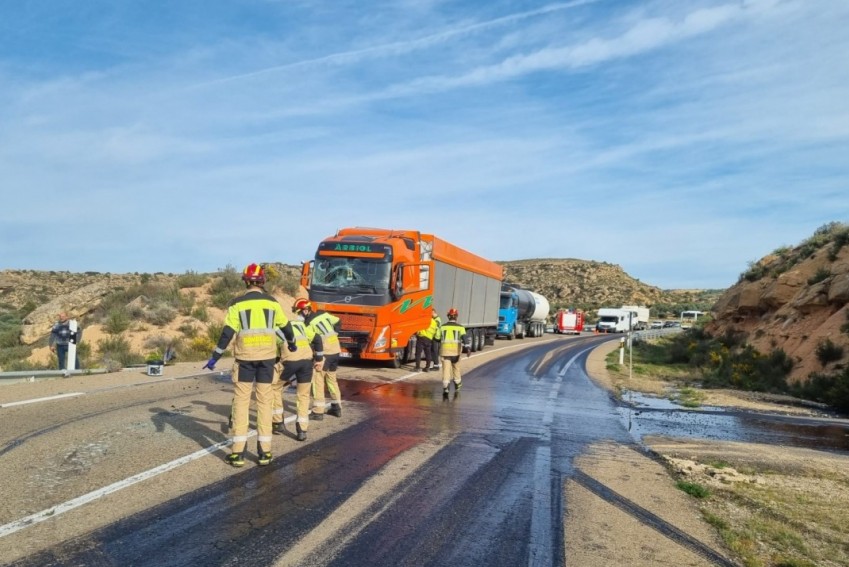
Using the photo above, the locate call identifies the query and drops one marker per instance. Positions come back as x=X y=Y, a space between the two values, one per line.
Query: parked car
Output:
x=657 y=324
x=668 y=324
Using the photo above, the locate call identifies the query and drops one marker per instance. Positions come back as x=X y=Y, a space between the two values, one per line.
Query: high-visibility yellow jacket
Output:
x=327 y=326
x=307 y=341
x=438 y=335
x=430 y=331
x=453 y=339
x=256 y=321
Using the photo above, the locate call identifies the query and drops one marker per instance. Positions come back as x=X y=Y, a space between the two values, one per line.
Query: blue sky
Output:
x=680 y=140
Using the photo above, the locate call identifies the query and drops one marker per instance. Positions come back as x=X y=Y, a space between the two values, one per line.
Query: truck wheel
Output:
x=512 y=334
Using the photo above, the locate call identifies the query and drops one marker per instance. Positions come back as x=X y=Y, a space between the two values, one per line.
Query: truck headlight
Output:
x=380 y=341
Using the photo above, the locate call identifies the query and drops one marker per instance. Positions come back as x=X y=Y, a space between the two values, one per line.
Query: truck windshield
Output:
x=608 y=319
x=351 y=274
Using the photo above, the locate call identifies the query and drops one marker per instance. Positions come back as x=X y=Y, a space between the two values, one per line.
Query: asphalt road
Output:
x=131 y=471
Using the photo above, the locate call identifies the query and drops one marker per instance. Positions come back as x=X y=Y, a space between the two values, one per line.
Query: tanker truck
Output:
x=522 y=313
x=384 y=284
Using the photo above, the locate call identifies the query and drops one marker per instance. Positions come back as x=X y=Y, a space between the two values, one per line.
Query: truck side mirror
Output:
x=306 y=271
x=398 y=281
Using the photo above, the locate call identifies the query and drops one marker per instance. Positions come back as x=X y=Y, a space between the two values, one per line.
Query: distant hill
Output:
x=588 y=285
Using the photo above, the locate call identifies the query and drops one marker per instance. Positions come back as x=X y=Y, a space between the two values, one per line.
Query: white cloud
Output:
x=719 y=128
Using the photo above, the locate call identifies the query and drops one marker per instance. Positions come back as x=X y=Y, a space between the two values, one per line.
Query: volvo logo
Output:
x=348 y=299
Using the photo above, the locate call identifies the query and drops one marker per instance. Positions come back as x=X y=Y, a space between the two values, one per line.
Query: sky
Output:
x=679 y=140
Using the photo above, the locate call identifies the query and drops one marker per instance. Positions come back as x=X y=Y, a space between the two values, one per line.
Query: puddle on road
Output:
x=660 y=416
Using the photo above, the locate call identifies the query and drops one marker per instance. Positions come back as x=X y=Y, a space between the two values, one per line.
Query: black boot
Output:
x=335 y=409
x=302 y=435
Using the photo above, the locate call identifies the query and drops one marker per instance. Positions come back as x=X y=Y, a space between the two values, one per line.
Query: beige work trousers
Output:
x=451 y=370
x=320 y=380
x=241 y=415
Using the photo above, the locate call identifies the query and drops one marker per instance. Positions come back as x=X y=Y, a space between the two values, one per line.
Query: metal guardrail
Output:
x=32 y=375
x=650 y=334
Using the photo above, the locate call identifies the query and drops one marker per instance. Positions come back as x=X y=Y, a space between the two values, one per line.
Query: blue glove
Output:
x=210 y=364
x=292 y=347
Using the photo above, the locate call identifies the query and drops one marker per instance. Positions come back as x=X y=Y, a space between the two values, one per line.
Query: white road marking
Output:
x=47 y=399
x=540 y=544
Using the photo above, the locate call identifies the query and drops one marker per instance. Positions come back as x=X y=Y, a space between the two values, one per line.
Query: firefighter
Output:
x=437 y=340
x=297 y=366
x=255 y=321
x=454 y=342
x=424 y=345
x=327 y=326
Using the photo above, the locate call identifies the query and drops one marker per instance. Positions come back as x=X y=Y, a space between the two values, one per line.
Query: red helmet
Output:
x=453 y=313
x=302 y=303
x=254 y=274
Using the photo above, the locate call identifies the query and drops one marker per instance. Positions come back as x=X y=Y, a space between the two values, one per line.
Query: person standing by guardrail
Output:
x=60 y=337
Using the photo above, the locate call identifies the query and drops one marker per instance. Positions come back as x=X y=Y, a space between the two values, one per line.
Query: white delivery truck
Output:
x=612 y=320
x=640 y=321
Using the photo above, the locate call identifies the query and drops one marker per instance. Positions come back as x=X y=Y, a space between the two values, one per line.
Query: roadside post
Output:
x=622 y=350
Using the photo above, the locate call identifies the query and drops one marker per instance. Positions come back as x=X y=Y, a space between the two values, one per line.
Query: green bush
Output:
x=9 y=356
x=844 y=328
x=188 y=330
x=821 y=275
x=117 y=321
x=213 y=331
x=828 y=389
x=841 y=239
x=117 y=350
x=186 y=303
x=228 y=281
x=10 y=337
x=191 y=279
x=827 y=351
x=160 y=315
x=200 y=313
x=694 y=489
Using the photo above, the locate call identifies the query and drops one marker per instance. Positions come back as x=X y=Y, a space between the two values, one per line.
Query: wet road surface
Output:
x=474 y=479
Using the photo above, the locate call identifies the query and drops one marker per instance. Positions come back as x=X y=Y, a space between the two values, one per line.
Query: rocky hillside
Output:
x=588 y=285
x=795 y=299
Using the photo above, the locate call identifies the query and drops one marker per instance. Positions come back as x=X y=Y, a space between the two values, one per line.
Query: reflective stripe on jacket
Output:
x=453 y=339
x=305 y=339
x=256 y=318
x=325 y=324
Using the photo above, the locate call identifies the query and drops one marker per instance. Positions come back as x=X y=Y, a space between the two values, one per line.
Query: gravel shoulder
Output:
x=769 y=504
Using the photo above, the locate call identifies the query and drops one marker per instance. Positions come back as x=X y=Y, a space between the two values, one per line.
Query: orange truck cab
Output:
x=383 y=285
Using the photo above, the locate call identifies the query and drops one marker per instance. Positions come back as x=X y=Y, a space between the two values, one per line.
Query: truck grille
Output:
x=356 y=322
x=355 y=333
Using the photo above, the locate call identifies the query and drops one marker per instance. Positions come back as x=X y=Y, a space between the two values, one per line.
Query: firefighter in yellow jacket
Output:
x=298 y=365
x=453 y=344
x=255 y=321
x=327 y=326
x=424 y=344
